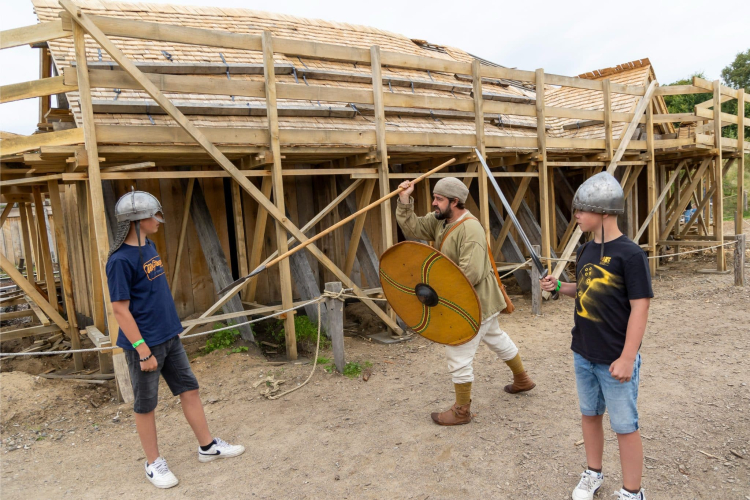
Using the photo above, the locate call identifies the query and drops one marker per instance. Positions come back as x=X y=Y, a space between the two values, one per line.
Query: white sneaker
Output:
x=220 y=449
x=588 y=485
x=626 y=495
x=160 y=475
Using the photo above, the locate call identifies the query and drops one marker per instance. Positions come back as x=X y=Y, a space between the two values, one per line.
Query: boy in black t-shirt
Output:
x=149 y=335
x=612 y=292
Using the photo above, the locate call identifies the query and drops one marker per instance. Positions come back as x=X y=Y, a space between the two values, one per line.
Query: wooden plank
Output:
x=711 y=87
x=129 y=167
x=32 y=292
x=335 y=325
x=65 y=275
x=680 y=90
x=6 y=213
x=36 y=33
x=28 y=332
x=258 y=239
x=37 y=312
x=386 y=222
x=34 y=88
x=278 y=192
x=718 y=205
x=484 y=213
x=681 y=204
x=657 y=204
x=517 y=199
x=740 y=163
x=652 y=203
x=25 y=233
x=359 y=224
x=49 y=274
x=239 y=229
x=33 y=142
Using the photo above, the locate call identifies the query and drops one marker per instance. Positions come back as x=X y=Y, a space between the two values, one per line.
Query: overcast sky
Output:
x=567 y=38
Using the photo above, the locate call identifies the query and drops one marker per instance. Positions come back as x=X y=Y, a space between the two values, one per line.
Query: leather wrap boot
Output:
x=521 y=383
x=457 y=415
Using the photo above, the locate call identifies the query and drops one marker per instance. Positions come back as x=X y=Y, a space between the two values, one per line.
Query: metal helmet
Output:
x=601 y=194
x=137 y=205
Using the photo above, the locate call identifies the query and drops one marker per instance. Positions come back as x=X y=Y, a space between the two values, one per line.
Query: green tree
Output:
x=737 y=76
x=685 y=103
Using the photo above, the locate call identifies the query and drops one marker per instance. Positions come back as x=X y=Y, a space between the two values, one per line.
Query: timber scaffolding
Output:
x=230 y=116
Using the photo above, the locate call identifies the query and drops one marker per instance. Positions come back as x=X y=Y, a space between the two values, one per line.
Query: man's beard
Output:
x=447 y=214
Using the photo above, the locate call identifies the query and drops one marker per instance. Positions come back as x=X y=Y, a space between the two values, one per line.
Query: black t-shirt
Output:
x=604 y=288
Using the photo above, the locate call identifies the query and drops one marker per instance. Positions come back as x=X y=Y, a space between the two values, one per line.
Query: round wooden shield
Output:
x=430 y=293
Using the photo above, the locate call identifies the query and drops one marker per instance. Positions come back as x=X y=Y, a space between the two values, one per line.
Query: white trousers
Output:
x=461 y=357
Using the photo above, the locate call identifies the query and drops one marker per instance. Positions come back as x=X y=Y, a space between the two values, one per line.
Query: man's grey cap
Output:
x=601 y=194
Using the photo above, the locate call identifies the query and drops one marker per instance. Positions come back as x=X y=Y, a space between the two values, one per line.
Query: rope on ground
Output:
x=692 y=251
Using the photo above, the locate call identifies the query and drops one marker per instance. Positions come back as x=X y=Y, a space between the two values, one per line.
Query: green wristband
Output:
x=559 y=284
x=137 y=343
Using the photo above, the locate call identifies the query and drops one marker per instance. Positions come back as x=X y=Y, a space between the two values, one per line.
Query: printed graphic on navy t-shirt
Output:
x=140 y=278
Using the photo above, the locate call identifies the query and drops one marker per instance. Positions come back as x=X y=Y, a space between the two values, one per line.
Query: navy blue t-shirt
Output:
x=604 y=288
x=144 y=284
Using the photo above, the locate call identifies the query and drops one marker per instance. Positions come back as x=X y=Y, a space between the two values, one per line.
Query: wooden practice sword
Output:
x=299 y=247
x=534 y=257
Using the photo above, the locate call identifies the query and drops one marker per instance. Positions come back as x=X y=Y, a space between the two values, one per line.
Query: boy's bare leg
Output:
x=631 y=459
x=192 y=407
x=593 y=440
x=145 y=424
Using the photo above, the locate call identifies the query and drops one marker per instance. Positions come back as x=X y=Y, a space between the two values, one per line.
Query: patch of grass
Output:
x=223 y=339
x=305 y=331
x=326 y=363
x=239 y=349
x=354 y=369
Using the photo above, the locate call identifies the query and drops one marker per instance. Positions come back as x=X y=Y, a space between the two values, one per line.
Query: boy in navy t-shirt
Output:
x=149 y=335
x=613 y=293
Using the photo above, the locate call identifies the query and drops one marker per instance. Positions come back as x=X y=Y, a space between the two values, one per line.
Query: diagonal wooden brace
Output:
x=119 y=57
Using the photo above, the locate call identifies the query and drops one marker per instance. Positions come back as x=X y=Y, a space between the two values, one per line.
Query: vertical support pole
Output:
x=651 y=192
x=278 y=193
x=484 y=207
x=607 y=95
x=544 y=208
x=739 y=261
x=45 y=71
x=38 y=261
x=66 y=281
x=258 y=238
x=536 y=290
x=26 y=242
x=741 y=196
x=239 y=231
x=98 y=212
x=183 y=231
x=49 y=272
x=721 y=264
x=335 y=326
x=386 y=222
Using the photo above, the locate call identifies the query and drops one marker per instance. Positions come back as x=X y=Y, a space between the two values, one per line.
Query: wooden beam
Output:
x=682 y=203
x=34 y=88
x=25 y=232
x=626 y=139
x=32 y=34
x=66 y=278
x=37 y=311
x=183 y=232
x=129 y=167
x=6 y=212
x=359 y=224
x=484 y=212
x=652 y=203
x=38 y=258
x=33 y=142
x=239 y=230
x=28 y=332
x=278 y=192
x=718 y=225
x=386 y=222
x=657 y=204
x=258 y=238
x=32 y=292
x=49 y=273
x=607 y=95
x=517 y=199
x=741 y=161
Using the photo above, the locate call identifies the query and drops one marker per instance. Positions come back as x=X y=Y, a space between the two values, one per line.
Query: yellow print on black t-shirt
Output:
x=592 y=289
x=153 y=267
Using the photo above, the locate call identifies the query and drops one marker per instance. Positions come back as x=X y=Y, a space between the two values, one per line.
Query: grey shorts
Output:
x=173 y=365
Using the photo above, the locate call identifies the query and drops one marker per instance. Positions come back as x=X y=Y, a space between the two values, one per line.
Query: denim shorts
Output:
x=173 y=365
x=598 y=390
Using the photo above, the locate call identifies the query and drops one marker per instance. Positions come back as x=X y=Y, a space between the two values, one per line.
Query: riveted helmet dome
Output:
x=137 y=205
x=601 y=194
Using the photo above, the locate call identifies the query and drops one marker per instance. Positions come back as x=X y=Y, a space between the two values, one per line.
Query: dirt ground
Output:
x=347 y=438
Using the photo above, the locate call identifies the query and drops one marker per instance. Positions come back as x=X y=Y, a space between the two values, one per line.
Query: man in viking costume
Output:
x=149 y=334
x=460 y=236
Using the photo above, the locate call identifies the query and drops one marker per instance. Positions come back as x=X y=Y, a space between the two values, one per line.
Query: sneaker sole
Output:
x=164 y=486
x=592 y=496
x=211 y=458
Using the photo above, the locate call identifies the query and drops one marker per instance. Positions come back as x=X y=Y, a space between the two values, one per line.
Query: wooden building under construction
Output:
x=257 y=130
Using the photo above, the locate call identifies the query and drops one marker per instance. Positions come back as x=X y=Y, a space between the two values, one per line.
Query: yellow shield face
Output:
x=430 y=293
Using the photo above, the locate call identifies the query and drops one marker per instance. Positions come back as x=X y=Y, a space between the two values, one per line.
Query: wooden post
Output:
x=651 y=191
x=49 y=272
x=38 y=260
x=183 y=231
x=739 y=260
x=484 y=211
x=335 y=326
x=541 y=133
x=536 y=290
x=258 y=238
x=66 y=280
x=278 y=192
x=386 y=222
x=359 y=224
x=721 y=264
x=26 y=242
x=741 y=194
x=45 y=71
x=239 y=231
x=607 y=95
x=98 y=210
